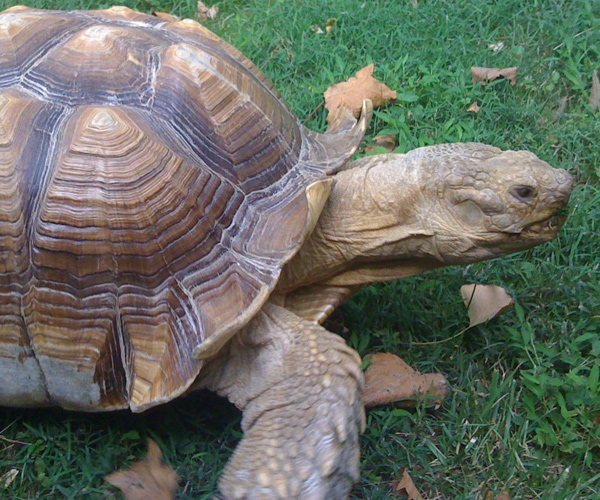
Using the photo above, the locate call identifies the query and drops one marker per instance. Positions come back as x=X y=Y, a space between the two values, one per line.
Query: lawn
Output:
x=524 y=412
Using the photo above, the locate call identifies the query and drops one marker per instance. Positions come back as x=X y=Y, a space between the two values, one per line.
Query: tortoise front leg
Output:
x=300 y=388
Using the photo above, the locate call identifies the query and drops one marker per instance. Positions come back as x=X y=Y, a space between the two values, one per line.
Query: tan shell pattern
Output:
x=152 y=186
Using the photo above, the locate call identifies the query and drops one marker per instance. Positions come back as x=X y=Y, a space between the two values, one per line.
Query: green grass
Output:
x=524 y=414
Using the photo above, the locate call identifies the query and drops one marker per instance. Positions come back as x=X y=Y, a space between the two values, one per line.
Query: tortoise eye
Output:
x=524 y=193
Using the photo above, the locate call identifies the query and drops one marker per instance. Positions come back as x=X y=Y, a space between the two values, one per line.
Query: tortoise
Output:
x=167 y=225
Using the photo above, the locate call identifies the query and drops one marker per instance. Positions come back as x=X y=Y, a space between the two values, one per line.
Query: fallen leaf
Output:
x=386 y=141
x=485 y=75
x=502 y=496
x=595 y=94
x=484 y=302
x=205 y=12
x=7 y=478
x=562 y=104
x=474 y=108
x=148 y=479
x=316 y=29
x=406 y=487
x=166 y=16
x=330 y=24
x=388 y=379
x=496 y=47
x=352 y=93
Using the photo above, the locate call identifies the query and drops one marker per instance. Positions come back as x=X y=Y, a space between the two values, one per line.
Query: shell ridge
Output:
x=33 y=206
x=16 y=80
x=191 y=157
x=229 y=53
x=35 y=199
x=196 y=316
x=215 y=135
x=152 y=74
x=345 y=143
x=183 y=141
x=122 y=335
x=17 y=112
x=264 y=82
x=53 y=45
x=268 y=127
x=33 y=348
x=210 y=136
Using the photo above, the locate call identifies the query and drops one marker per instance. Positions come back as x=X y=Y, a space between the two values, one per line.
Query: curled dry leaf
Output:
x=595 y=94
x=148 y=479
x=352 y=93
x=8 y=477
x=485 y=75
x=386 y=141
x=484 y=302
x=474 y=108
x=166 y=16
x=205 y=12
x=389 y=379
x=406 y=487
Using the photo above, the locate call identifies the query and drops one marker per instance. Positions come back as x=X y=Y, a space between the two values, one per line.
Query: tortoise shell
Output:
x=152 y=186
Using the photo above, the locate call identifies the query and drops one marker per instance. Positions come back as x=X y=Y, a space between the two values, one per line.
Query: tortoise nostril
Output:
x=566 y=182
x=523 y=193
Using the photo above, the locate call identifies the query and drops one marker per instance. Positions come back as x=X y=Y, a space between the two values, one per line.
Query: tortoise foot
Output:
x=302 y=431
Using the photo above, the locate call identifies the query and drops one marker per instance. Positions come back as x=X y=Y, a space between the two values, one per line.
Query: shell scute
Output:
x=98 y=64
x=241 y=121
x=26 y=37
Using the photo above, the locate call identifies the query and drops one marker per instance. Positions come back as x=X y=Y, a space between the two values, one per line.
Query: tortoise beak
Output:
x=556 y=199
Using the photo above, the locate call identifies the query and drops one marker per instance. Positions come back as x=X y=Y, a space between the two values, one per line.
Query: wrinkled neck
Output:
x=371 y=215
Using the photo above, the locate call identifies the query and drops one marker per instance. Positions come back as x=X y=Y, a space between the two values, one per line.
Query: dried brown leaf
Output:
x=406 y=487
x=352 y=93
x=474 y=108
x=484 y=302
x=389 y=379
x=485 y=75
x=166 y=16
x=595 y=94
x=205 y=12
x=8 y=477
x=330 y=24
x=386 y=141
x=502 y=496
x=148 y=479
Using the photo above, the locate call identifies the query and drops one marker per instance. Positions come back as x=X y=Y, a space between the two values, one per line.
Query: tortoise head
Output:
x=490 y=202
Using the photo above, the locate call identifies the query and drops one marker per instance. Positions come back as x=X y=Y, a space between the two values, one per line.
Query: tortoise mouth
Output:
x=544 y=228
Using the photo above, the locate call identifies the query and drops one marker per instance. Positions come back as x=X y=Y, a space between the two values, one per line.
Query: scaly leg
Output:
x=300 y=388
